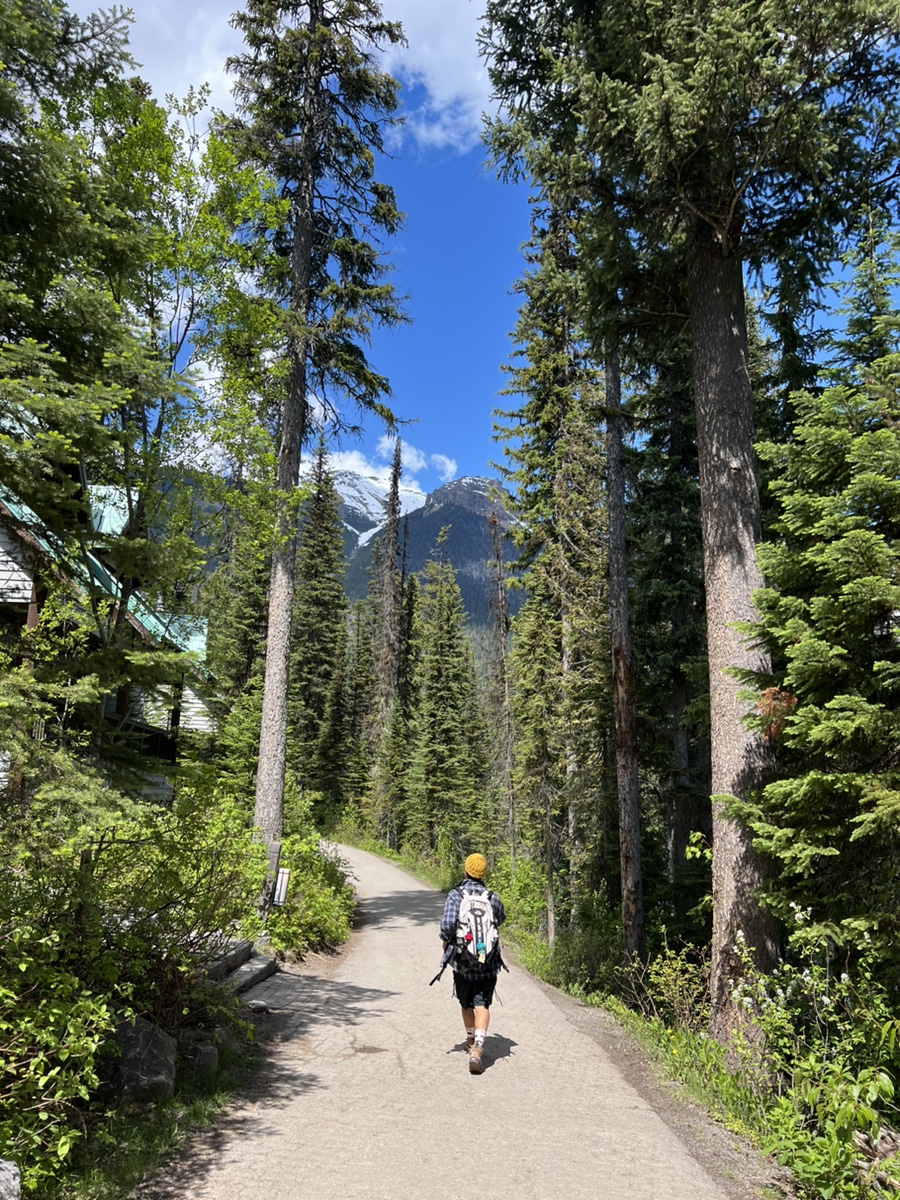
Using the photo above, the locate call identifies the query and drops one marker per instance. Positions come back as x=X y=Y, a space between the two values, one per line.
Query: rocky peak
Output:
x=476 y=495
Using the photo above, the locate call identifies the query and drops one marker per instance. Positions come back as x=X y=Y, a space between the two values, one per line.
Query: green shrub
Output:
x=318 y=913
x=51 y=1031
x=121 y=914
x=813 y=1125
x=522 y=889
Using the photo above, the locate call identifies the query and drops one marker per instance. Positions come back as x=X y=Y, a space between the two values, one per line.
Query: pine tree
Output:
x=666 y=573
x=555 y=473
x=359 y=694
x=443 y=778
x=538 y=704
x=708 y=140
x=499 y=698
x=312 y=107
x=828 y=617
x=623 y=680
x=319 y=614
x=387 y=598
x=334 y=745
x=234 y=601
x=388 y=786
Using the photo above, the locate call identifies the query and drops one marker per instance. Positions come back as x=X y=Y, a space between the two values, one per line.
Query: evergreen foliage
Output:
x=667 y=607
x=828 y=616
x=443 y=815
x=319 y=615
x=555 y=474
x=312 y=109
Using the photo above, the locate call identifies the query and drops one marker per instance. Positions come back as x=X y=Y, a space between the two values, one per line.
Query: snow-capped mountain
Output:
x=364 y=498
x=463 y=506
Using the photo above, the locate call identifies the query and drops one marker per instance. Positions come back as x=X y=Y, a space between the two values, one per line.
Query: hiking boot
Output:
x=476 y=1066
x=470 y=1040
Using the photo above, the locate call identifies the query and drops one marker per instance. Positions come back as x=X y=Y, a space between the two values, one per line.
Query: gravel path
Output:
x=366 y=1091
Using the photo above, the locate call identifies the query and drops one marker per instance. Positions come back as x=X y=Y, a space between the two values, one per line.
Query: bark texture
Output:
x=268 y=812
x=731 y=529
x=623 y=682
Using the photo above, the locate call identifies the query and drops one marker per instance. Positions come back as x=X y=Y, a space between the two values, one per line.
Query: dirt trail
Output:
x=367 y=1094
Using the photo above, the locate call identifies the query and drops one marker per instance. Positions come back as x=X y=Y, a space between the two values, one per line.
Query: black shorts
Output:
x=474 y=993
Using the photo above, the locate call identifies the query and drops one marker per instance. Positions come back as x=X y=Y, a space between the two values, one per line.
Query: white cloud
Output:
x=442 y=56
x=445 y=467
x=379 y=467
x=412 y=458
x=356 y=461
x=180 y=45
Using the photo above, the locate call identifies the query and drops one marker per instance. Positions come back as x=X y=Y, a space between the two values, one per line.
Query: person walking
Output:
x=472 y=916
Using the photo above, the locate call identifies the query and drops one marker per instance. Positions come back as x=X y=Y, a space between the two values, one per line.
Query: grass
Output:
x=698 y=1063
x=131 y=1143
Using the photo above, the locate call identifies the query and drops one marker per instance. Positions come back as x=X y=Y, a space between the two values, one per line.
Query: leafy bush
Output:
x=141 y=902
x=814 y=1070
x=672 y=988
x=51 y=1031
x=319 y=910
x=119 y=914
x=814 y=1125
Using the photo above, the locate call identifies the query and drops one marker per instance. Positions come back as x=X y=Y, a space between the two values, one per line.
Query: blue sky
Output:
x=459 y=253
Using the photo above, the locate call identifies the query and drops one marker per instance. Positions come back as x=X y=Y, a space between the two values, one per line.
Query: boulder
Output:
x=145 y=1070
x=10 y=1181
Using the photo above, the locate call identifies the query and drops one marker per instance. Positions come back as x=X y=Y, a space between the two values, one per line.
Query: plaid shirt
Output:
x=464 y=966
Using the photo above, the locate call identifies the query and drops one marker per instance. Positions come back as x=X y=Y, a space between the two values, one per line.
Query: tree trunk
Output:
x=504 y=734
x=268 y=812
x=731 y=527
x=623 y=684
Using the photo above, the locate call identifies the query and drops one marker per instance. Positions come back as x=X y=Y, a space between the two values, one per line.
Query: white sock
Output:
x=479 y=1037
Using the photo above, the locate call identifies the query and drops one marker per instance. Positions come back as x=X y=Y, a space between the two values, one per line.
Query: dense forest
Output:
x=677 y=744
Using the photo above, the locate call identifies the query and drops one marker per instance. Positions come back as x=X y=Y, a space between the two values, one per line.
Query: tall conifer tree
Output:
x=320 y=606
x=708 y=140
x=443 y=777
x=312 y=106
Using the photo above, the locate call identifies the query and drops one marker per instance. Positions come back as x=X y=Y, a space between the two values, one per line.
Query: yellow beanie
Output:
x=475 y=866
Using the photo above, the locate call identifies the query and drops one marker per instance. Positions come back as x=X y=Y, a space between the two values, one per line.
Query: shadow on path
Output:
x=275 y=1086
x=301 y=1003
x=418 y=907
x=495 y=1048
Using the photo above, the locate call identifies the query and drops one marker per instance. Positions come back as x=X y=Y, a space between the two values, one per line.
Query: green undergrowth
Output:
x=135 y=1141
x=809 y=1074
x=318 y=912
x=698 y=1063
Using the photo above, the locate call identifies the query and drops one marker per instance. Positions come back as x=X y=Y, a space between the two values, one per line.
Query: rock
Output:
x=198 y=1052
x=202 y=1061
x=10 y=1180
x=146 y=1068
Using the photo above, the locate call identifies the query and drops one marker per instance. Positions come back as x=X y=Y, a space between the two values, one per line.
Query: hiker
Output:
x=472 y=915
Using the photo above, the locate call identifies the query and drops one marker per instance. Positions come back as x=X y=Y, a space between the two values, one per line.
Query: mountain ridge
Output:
x=463 y=506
